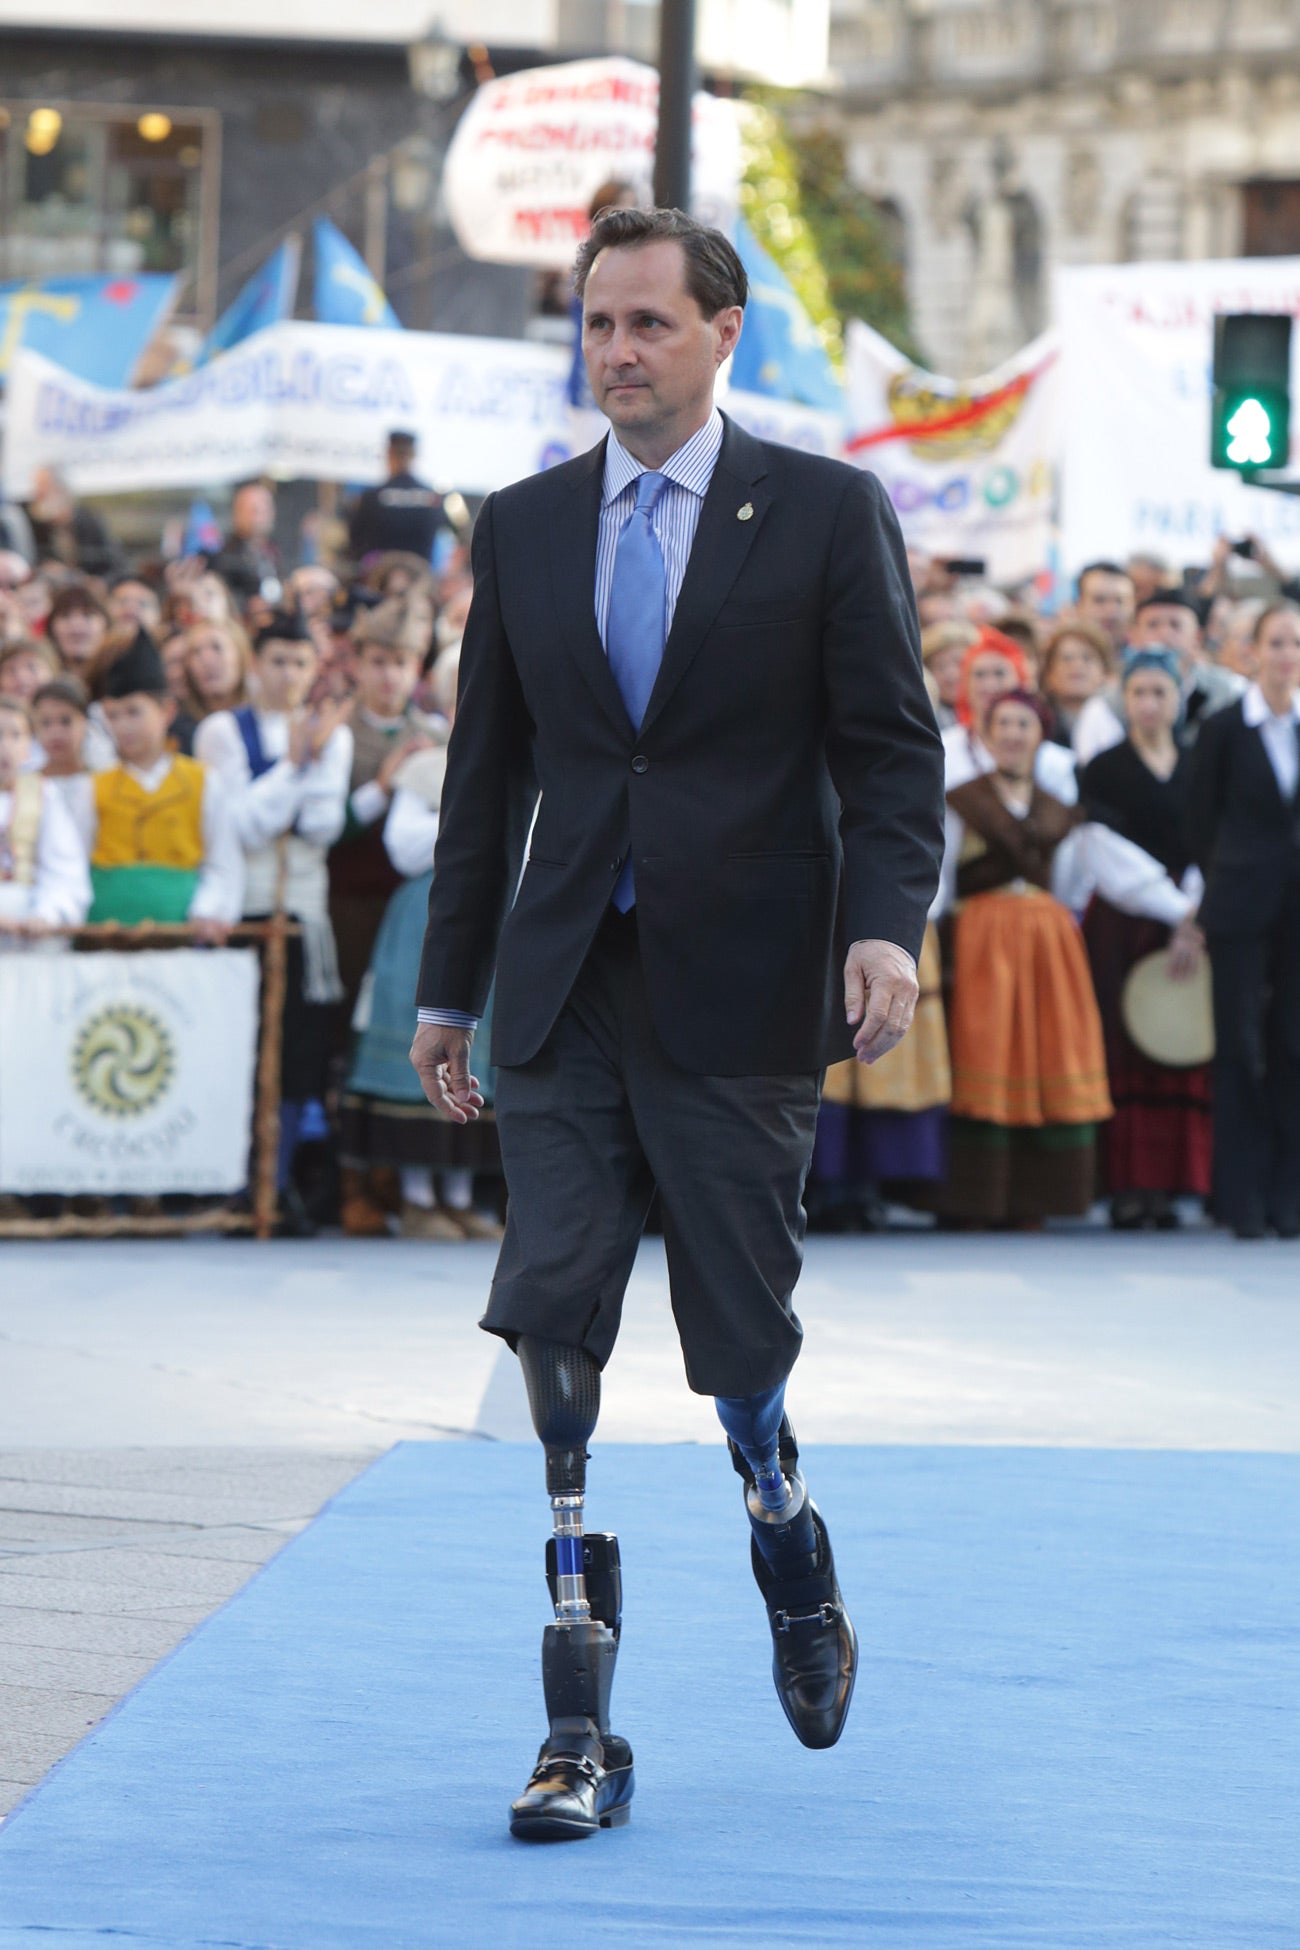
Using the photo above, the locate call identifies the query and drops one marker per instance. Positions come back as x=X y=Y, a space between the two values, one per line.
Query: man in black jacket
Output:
x=404 y=514
x=702 y=650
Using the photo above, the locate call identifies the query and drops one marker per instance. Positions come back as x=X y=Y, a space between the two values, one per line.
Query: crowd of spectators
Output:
x=213 y=738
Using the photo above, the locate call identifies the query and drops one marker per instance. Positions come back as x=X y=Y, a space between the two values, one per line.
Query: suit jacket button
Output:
x=640 y=763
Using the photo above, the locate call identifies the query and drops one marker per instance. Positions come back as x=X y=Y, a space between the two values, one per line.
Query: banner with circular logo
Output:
x=128 y=1073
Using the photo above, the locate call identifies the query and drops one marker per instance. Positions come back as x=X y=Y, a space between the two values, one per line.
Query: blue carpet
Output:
x=1075 y=1723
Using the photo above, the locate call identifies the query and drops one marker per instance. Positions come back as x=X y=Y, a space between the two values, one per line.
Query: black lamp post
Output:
x=676 y=89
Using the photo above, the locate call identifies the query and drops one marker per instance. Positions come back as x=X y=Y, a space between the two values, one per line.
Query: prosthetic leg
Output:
x=583 y=1779
x=814 y=1647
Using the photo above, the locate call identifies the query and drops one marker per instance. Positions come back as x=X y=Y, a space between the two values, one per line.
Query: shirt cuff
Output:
x=369 y=802
x=448 y=1018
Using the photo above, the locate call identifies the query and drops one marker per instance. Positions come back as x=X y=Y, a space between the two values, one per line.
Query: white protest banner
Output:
x=127 y=1073
x=298 y=401
x=1137 y=351
x=970 y=468
x=533 y=148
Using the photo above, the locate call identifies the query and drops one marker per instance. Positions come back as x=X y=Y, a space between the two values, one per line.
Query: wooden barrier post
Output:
x=266 y=1120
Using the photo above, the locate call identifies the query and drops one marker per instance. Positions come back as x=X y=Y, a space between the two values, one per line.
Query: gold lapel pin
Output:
x=746 y=513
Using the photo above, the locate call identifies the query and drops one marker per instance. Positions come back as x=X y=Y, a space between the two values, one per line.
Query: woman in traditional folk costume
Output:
x=1028 y=1058
x=884 y=1126
x=993 y=665
x=387 y=1121
x=44 y=881
x=287 y=769
x=1159 y=1144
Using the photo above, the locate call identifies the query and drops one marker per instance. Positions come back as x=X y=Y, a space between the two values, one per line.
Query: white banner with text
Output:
x=316 y=402
x=298 y=401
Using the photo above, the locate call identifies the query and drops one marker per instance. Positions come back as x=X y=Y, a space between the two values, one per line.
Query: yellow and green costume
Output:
x=149 y=847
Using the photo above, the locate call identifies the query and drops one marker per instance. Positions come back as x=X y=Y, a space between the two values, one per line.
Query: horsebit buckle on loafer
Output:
x=825 y=1614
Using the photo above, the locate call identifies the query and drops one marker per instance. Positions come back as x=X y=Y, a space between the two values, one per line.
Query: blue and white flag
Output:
x=346 y=293
x=780 y=351
x=97 y=328
x=268 y=297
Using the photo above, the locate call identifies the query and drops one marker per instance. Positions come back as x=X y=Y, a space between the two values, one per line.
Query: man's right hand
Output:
x=440 y=1056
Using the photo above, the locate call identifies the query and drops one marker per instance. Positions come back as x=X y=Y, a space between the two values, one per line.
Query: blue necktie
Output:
x=634 y=631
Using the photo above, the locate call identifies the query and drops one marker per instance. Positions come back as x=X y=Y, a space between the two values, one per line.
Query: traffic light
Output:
x=1250 y=419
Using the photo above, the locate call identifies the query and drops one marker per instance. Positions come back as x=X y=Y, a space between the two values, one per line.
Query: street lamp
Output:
x=433 y=64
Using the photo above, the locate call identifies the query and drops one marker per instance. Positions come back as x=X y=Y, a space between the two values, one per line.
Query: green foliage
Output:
x=828 y=238
x=770 y=202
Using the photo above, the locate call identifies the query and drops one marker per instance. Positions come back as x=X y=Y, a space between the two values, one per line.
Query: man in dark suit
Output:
x=1245 y=837
x=702 y=650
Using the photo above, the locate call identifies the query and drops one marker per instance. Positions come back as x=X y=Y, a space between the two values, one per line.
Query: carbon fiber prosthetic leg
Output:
x=583 y=1779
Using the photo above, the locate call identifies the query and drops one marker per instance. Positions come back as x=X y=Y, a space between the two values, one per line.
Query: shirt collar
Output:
x=151 y=776
x=690 y=467
x=1256 y=710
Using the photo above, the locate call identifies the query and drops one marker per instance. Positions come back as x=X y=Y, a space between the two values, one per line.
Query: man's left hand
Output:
x=880 y=991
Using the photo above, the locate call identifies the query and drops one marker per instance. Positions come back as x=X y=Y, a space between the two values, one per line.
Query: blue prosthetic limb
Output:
x=754 y=1424
x=764 y=1452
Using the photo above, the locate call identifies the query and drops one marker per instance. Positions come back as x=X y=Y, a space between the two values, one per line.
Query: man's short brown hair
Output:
x=715 y=276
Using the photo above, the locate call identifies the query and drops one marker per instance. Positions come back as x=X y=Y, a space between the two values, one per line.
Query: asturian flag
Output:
x=346 y=293
x=780 y=352
x=268 y=297
x=97 y=328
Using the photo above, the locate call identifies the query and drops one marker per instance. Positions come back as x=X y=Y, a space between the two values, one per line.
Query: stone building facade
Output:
x=1002 y=138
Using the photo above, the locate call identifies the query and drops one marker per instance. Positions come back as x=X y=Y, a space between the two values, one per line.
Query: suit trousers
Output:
x=1257 y=1075
x=598 y=1119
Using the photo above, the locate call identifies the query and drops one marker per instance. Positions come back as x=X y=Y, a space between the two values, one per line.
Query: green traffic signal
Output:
x=1250 y=414
x=1250 y=429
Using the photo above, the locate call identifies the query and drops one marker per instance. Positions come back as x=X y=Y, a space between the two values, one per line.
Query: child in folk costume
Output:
x=391 y=641
x=44 y=882
x=387 y=1121
x=59 y=715
x=1028 y=1057
x=286 y=769
x=164 y=846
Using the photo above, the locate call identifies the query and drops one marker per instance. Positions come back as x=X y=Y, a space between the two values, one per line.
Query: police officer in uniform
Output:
x=404 y=514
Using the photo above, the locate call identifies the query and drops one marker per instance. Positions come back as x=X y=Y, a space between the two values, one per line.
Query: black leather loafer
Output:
x=814 y=1646
x=572 y=1795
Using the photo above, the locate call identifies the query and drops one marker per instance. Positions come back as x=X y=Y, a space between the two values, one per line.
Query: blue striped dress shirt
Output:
x=675 y=519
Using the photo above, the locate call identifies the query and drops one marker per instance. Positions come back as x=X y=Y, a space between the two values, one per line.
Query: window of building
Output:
x=118 y=191
x=1271 y=219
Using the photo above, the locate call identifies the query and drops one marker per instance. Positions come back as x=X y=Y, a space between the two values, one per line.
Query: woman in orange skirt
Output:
x=1028 y=1060
x=1028 y=1057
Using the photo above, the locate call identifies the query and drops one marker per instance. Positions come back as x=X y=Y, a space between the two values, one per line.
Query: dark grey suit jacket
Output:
x=783 y=796
x=1245 y=837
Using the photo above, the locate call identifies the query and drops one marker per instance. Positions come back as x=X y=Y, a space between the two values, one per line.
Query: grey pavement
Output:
x=108 y=1557
x=173 y=1411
